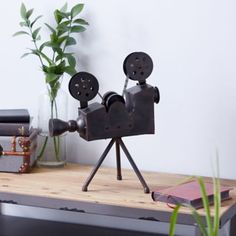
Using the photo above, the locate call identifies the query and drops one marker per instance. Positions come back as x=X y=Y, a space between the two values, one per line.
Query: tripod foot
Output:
x=146 y=190
x=84 y=188
x=119 y=177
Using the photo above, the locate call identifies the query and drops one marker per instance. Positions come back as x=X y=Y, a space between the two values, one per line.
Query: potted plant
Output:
x=212 y=223
x=55 y=60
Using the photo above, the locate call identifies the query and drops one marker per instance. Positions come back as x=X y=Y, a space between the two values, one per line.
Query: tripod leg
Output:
x=85 y=186
x=119 y=176
x=136 y=170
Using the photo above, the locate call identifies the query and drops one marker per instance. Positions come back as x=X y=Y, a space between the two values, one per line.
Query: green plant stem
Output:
x=173 y=220
x=39 y=157
x=217 y=197
x=56 y=140
x=68 y=35
x=53 y=56
x=217 y=200
x=206 y=205
x=56 y=147
x=36 y=47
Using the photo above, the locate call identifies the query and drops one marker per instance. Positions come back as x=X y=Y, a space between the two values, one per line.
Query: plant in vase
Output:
x=55 y=60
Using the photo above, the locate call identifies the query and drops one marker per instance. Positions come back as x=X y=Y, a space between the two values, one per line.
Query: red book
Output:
x=189 y=193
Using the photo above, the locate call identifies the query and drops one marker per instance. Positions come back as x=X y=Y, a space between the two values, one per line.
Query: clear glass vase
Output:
x=51 y=151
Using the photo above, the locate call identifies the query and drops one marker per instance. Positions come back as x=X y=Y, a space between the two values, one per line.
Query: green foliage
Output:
x=212 y=226
x=58 y=61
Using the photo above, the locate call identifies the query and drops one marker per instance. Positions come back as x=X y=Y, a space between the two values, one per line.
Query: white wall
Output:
x=192 y=44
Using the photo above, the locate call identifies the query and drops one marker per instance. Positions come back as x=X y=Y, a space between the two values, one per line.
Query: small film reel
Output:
x=111 y=97
x=138 y=66
x=83 y=86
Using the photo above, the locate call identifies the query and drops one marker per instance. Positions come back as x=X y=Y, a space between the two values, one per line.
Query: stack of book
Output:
x=18 y=141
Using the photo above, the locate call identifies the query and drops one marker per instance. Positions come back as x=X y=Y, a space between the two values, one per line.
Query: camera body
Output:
x=133 y=115
x=116 y=116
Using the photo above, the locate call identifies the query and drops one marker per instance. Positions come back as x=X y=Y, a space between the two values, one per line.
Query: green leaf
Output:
x=51 y=28
x=55 y=70
x=59 y=69
x=64 y=24
x=81 y=21
x=20 y=33
x=35 y=52
x=63 y=28
x=64 y=8
x=46 y=44
x=58 y=57
x=59 y=51
x=206 y=205
x=26 y=54
x=35 y=33
x=77 y=28
x=45 y=69
x=57 y=16
x=23 y=11
x=60 y=15
x=33 y=22
x=50 y=77
x=70 y=41
x=38 y=38
x=60 y=40
x=29 y=13
x=53 y=37
x=23 y=23
x=70 y=70
x=50 y=62
x=71 y=60
x=62 y=55
x=76 y=10
x=64 y=14
x=173 y=220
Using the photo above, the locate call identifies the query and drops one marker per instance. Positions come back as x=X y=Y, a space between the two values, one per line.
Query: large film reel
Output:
x=138 y=66
x=83 y=86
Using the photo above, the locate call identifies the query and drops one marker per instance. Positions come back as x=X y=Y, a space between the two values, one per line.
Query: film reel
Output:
x=111 y=97
x=138 y=66
x=83 y=86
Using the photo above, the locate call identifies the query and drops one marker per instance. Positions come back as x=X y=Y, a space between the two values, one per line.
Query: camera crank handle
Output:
x=156 y=95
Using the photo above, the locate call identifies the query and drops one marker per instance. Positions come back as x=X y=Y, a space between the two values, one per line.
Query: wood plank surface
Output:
x=66 y=183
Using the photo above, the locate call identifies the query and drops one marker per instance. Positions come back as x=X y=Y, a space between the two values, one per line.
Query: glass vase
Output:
x=51 y=151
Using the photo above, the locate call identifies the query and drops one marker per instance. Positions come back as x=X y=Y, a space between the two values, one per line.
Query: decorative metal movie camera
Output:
x=116 y=116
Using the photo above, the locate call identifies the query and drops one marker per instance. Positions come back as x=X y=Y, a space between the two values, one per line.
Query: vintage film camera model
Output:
x=117 y=116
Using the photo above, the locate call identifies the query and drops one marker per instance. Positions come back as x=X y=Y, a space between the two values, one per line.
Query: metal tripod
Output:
x=119 y=143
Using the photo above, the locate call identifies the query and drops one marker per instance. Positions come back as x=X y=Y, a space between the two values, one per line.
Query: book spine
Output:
x=14 y=129
x=14 y=116
x=169 y=199
x=14 y=119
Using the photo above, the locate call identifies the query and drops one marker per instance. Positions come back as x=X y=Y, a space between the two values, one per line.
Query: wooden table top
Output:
x=66 y=183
